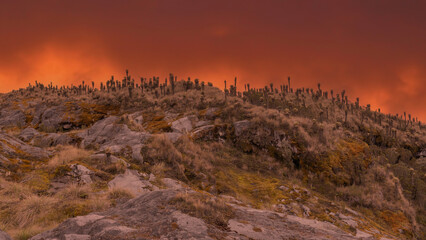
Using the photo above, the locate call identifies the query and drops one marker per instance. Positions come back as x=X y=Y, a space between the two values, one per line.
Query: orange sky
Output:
x=374 y=49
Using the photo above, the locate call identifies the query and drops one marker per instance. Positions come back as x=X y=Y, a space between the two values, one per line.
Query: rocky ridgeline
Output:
x=183 y=159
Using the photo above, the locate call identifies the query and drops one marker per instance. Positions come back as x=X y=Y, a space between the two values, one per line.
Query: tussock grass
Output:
x=68 y=154
x=119 y=193
x=24 y=213
x=212 y=210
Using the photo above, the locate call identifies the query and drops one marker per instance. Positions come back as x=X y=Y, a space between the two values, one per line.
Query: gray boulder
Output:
x=117 y=138
x=4 y=236
x=137 y=118
x=28 y=133
x=173 y=136
x=141 y=216
x=131 y=180
x=152 y=216
x=52 y=118
x=81 y=173
x=182 y=125
x=12 y=118
x=12 y=147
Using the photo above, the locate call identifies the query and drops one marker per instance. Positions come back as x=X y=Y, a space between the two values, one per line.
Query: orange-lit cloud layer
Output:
x=374 y=49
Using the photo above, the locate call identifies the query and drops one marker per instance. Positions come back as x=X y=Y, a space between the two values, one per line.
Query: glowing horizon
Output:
x=375 y=51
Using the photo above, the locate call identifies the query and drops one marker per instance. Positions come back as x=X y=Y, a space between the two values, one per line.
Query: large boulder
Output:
x=183 y=125
x=38 y=113
x=108 y=134
x=173 y=136
x=131 y=181
x=12 y=118
x=52 y=119
x=81 y=173
x=147 y=216
x=11 y=147
x=28 y=133
x=154 y=215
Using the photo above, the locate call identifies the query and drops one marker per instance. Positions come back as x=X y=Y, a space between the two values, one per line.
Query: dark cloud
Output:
x=373 y=49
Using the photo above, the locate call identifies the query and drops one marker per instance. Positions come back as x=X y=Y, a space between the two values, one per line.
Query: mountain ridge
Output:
x=298 y=152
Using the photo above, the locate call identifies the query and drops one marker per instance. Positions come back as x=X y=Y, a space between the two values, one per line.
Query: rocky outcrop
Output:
x=108 y=134
x=12 y=118
x=173 y=136
x=184 y=125
x=145 y=217
x=28 y=133
x=133 y=182
x=51 y=120
x=81 y=173
x=12 y=147
x=52 y=139
x=4 y=236
x=136 y=218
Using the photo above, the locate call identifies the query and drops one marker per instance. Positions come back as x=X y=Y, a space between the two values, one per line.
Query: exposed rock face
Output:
x=108 y=134
x=12 y=147
x=28 y=133
x=52 y=118
x=140 y=218
x=131 y=181
x=4 y=236
x=137 y=118
x=51 y=139
x=173 y=136
x=183 y=125
x=12 y=118
x=104 y=158
x=81 y=173
x=137 y=218
x=205 y=132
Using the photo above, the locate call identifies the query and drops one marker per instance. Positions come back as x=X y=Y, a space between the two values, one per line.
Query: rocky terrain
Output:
x=186 y=160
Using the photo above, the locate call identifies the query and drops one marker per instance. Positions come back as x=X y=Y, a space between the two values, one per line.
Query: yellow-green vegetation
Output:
x=156 y=123
x=205 y=206
x=342 y=166
x=251 y=188
x=68 y=155
x=24 y=212
x=86 y=114
x=38 y=180
x=118 y=194
x=29 y=206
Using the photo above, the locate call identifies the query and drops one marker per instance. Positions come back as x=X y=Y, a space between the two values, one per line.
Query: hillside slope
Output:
x=185 y=159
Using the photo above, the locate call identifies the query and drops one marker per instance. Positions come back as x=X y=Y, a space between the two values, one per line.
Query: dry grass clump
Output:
x=382 y=192
x=250 y=188
x=212 y=210
x=24 y=213
x=31 y=209
x=162 y=154
x=195 y=156
x=379 y=189
x=119 y=193
x=75 y=192
x=68 y=154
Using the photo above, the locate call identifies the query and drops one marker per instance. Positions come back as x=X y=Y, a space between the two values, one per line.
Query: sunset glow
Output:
x=373 y=50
